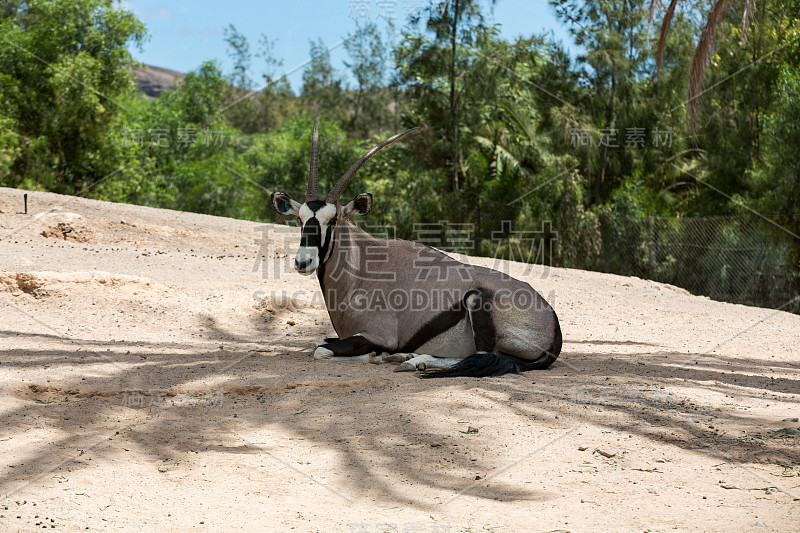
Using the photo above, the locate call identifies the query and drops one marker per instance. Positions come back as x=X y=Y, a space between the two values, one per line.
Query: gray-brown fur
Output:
x=408 y=265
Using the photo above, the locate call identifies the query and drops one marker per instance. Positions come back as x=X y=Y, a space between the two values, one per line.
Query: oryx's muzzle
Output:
x=307 y=259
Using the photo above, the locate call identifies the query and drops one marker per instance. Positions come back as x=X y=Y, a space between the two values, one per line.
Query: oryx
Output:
x=402 y=301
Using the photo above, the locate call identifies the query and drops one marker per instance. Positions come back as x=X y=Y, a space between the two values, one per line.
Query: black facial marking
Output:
x=316 y=205
x=312 y=231
x=311 y=235
x=323 y=252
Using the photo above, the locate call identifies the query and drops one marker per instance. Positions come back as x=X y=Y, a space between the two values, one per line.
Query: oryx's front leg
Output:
x=355 y=348
x=425 y=362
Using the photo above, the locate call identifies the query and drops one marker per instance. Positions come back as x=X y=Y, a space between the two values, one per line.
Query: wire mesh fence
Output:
x=738 y=259
x=735 y=259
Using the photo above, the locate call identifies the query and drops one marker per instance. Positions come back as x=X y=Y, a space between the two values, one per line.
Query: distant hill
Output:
x=152 y=81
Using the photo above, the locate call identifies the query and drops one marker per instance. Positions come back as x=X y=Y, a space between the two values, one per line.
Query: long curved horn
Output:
x=313 y=181
x=337 y=191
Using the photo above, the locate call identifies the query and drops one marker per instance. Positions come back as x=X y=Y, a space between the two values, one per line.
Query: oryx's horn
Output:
x=337 y=191
x=313 y=180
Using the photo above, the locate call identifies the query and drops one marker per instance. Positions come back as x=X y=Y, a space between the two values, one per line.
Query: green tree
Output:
x=613 y=35
x=438 y=49
x=276 y=97
x=65 y=66
x=279 y=159
x=706 y=45
x=368 y=56
x=778 y=184
x=322 y=86
x=183 y=154
x=239 y=52
x=241 y=109
x=271 y=63
x=741 y=90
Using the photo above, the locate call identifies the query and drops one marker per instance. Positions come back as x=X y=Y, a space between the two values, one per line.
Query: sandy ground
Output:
x=155 y=377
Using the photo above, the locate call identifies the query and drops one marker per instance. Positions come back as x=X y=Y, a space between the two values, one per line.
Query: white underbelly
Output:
x=456 y=342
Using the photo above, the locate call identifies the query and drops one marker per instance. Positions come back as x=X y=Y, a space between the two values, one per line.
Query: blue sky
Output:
x=184 y=33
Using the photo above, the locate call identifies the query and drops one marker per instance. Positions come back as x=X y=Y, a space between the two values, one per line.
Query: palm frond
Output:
x=518 y=121
x=662 y=36
x=509 y=160
x=706 y=45
x=501 y=154
x=704 y=50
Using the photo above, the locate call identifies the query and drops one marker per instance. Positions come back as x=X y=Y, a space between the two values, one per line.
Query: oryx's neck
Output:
x=348 y=251
x=349 y=266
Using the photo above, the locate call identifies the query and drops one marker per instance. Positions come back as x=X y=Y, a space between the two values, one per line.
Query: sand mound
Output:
x=280 y=302
x=40 y=284
x=66 y=226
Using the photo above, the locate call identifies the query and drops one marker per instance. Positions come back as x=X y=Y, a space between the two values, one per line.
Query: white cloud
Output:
x=161 y=13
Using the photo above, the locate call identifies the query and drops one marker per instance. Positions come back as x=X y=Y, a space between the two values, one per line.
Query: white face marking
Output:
x=305 y=213
x=308 y=256
x=325 y=214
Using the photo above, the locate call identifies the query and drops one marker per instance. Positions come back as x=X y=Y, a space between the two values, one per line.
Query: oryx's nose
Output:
x=301 y=264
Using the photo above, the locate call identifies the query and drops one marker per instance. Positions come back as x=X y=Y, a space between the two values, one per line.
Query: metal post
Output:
x=478 y=228
x=650 y=245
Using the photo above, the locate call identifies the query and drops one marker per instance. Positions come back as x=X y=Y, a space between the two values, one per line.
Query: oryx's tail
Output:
x=481 y=365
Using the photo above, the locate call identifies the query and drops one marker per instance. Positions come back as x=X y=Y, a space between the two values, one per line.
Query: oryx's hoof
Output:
x=322 y=353
x=408 y=366
x=397 y=358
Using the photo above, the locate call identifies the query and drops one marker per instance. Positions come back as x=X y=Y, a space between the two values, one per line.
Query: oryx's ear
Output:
x=284 y=205
x=360 y=205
